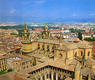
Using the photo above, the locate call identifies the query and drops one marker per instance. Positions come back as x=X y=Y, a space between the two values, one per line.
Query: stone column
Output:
x=61 y=76
x=41 y=78
x=36 y=78
x=52 y=76
x=56 y=76
x=48 y=75
x=45 y=76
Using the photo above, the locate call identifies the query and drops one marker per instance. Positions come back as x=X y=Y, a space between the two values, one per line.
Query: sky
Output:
x=20 y=11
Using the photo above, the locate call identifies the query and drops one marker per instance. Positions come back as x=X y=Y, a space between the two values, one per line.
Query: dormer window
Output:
x=89 y=53
x=38 y=46
x=81 y=53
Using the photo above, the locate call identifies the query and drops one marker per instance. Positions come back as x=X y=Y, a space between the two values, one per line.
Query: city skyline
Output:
x=67 y=11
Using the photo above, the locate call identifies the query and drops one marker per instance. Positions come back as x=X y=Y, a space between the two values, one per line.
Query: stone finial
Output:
x=89 y=77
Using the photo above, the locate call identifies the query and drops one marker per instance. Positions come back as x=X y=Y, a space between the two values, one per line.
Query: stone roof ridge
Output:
x=78 y=67
x=84 y=44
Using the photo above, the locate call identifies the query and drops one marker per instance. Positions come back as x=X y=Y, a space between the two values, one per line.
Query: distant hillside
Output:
x=19 y=27
x=11 y=27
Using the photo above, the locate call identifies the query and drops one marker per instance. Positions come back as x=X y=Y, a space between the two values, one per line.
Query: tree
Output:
x=80 y=35
x=90 y=39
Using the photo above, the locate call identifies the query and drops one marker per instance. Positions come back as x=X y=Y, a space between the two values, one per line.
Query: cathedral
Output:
x=26 y=40
x=58 y=59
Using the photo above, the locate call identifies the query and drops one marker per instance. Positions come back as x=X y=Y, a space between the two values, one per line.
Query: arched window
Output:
x=38 y=46
x=38 y=78
x=48 y=48
x=42 y=47
x=81 y=53
x=60 y=54
x=55 y=46
x=43 y=77
x=89 y=53
x=75 y=54
x=47 y=75
x=50 y=75
x=54 y=76
x=53 y=49
x=59 y=77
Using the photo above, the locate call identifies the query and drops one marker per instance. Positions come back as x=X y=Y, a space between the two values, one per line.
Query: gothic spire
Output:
x=25 y=27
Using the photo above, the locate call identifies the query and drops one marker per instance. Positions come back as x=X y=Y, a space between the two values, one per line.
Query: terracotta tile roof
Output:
x=87 y=71
x=19 y=77
x=48 y=41
x=58 y=64
x=22 y=57
x=72 y=45
x=2 y=57
x=84 y=44
x=13 y=76
x=7 y=76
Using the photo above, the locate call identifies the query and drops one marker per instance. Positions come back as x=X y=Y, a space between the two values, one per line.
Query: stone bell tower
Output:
x=61 y=40
x=26 y=34
x=26 y=41
x=46 y=33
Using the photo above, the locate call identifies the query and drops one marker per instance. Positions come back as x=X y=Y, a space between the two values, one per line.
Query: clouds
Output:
x=42 y=10
x=33 y=2
x=39 y=2
x=12 y=11
x=92 y=14
x=74 y=15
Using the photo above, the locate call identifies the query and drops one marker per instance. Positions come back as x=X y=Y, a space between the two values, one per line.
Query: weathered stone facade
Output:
x=61 y=51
